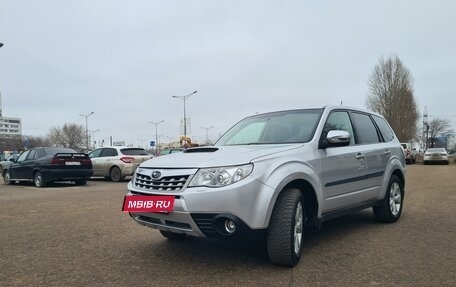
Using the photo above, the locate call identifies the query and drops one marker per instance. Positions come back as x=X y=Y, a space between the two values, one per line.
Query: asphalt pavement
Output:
x=66 y=235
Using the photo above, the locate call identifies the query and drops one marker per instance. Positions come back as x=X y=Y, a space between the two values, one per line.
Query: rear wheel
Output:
x=115 y=174
x=284 y=238
x=173 y=236
x=7 y=178
x=38 y=180
x=390 y=208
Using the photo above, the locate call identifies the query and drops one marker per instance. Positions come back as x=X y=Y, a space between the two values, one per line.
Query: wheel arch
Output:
x=311 y=205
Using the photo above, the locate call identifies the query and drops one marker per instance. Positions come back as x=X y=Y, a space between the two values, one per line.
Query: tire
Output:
x=7 y=178
x=115 y=174
x=38 y=180
x=80 y=182
x=173 y=236
x=284 y=237
x=390 y=208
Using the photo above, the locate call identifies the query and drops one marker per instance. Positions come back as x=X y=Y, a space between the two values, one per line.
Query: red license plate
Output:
x=140 y=203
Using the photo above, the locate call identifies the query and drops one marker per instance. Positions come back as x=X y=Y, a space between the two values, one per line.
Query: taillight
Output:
x=56 y=161
x=127 y=159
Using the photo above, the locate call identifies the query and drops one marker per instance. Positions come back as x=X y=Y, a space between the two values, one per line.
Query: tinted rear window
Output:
x=133 y=151
x=54 y=150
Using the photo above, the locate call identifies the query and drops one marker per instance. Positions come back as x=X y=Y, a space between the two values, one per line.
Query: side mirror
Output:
x=12 y=160
x=338 y=138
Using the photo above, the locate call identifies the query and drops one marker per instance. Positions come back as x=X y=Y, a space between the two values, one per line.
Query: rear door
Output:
x=371 y=145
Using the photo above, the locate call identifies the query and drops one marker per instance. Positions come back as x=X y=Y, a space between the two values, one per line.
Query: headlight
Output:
x=220 y=176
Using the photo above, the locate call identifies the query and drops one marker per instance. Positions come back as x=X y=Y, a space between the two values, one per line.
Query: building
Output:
x=10 y=132
x=10 y=127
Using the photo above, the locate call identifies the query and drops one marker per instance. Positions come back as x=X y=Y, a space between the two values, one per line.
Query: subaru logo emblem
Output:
x=156 y=174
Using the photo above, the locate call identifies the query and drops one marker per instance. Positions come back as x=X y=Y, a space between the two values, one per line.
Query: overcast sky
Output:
x=124 y=60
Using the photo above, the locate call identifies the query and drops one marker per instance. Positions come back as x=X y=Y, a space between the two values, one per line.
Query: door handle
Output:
x=359 y=156
x=387 y=152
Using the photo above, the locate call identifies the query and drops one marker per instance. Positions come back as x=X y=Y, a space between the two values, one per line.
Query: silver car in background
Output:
x=116 y=162
x=436 y=155
x=273 y=174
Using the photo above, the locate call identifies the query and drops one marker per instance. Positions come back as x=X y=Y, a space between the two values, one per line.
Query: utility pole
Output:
x=207 y=133
x=87 y=127
x=425 y=129
x=156 y=135
x=184 y=98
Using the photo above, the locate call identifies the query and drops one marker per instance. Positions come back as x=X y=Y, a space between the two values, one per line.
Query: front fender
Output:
x=279 y=176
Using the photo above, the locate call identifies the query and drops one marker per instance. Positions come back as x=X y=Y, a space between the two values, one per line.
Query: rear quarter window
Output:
x=385 y=130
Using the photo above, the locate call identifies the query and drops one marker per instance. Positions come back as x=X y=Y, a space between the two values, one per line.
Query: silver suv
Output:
x=273 y=174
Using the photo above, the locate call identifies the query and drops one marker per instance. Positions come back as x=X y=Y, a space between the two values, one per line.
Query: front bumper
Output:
x=202 y=211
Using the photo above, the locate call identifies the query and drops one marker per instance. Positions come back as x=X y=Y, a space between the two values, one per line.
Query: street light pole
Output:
x=184 y=98
x=207 y=133
x=93 y=137
x=156 y=134
x=87 y=127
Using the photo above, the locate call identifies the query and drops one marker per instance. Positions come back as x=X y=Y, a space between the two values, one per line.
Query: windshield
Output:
x=294 y=126
x=442 y=150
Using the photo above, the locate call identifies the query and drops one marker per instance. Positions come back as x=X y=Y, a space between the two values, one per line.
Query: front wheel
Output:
x=38 y=180
x=7 y=177
x=390 y=208
x=284 y=238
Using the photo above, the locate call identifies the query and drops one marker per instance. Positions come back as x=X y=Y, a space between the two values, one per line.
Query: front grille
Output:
x=166 y=183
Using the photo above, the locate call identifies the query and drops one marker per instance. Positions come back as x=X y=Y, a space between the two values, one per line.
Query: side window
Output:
x=40 y=153
x=338 y=120
x=108 y=152
x=386 y=131
x=95 y=153
x=32 y=155
x=366 y=133
x=23 y=156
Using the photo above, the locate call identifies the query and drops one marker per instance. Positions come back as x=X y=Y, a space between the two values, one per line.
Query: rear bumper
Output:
x=66 y=174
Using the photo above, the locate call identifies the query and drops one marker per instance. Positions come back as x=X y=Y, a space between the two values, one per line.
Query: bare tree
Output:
x=391 y=95
x=37 y=141
x=70 y=136
x=438 y=127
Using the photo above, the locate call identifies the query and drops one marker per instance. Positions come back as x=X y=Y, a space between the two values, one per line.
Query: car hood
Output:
x=216 y=156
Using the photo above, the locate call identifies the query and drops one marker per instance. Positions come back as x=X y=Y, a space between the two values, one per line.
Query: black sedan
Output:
x=44 y=165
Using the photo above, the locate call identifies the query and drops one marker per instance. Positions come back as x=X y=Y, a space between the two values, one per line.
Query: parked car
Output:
x=409 y=153
x=117 y=162
x=271 y=175
x=435 y=155
x=8 y=161
x=44 y=165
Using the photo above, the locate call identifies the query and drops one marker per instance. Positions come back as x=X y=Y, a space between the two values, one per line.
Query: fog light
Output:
x=230 y=226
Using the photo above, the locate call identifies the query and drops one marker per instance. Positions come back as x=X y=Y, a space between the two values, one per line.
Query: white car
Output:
x=117 y=162
x=435 y=155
